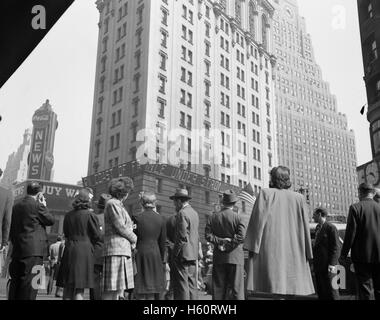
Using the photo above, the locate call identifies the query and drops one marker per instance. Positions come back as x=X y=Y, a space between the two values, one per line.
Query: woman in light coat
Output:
x=119 y=240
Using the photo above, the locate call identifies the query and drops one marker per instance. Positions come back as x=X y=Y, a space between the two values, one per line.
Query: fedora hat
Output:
x=229 y=197
x=180 y=194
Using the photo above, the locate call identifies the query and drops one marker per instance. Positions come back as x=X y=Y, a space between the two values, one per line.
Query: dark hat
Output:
x=229 y=197
x=103 y=200
x=181 y=194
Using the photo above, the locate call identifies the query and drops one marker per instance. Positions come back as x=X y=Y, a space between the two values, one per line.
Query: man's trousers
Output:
x=24 y=284
x=228 y=282
x=185 y=280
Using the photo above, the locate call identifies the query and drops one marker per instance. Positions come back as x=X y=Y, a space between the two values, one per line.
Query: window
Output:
x=161 y=108
x=140 y=14
x=138 y=59
x=374 y=50
x=207 y=197
x=189 y=122
x=138 y=37
x=207 y=88
x=162 y=83
x=183 y=53
x=101 y=84
x=163 y=59
x=207 y=65
x=136 y=80
x=105 y=41
x=207 y=48
x=182 y=119
x=164 y=38
x=370 y=10
x=135 y=104
x=99 y=126
x=207 y=109
x=134 y=132
x=164 y=17
x=158 y=185
x=208 y=28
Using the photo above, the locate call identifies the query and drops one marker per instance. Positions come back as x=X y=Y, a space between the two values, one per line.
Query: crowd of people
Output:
x=145 y=256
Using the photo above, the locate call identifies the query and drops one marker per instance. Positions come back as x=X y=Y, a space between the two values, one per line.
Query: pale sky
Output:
x=62 y=69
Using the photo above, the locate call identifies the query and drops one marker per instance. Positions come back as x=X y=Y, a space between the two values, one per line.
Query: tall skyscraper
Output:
x=187 y=83
x=313 y=137
x=369 y=21
x=16 y=169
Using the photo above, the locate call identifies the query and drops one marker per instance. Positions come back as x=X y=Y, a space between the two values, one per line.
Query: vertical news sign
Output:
x=41 y=158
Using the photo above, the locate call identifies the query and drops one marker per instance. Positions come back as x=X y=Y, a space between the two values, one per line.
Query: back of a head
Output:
x=120 y=187
x=366 y=189
x=82 y=200
x=148 y=199
x=280 y=178
x=33 y=188
x=322 y=211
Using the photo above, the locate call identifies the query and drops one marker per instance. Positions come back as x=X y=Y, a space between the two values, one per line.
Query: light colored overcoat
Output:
x=279 y=235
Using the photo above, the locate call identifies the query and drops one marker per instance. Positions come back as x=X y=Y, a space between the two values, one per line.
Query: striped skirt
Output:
x=117 y=273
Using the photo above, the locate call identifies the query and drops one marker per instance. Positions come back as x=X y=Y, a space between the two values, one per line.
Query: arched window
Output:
x=265 y=31
x=238 y=11
x=252 y=18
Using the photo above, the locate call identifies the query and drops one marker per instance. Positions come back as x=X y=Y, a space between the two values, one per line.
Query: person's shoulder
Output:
x=331 y=226
x=113 y=201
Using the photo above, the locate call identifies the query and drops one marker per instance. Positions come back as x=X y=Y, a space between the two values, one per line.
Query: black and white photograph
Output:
x=190 y=150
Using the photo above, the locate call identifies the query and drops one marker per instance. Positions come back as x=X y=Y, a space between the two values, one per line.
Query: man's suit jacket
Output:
x=6 y=203
x=363 y=232
x=28 y=228
x=118 y=232
x=326 y=247
x=186 y=239
x=226 y=224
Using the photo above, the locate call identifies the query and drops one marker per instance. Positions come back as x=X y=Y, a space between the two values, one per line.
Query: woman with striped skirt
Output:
x=119 y=240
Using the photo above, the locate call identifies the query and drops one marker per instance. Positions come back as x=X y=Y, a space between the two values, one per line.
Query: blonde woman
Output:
x=119 y=240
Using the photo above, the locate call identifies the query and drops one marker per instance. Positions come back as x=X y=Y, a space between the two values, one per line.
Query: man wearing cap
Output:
x=226 y=230
x=363 y=239
x=185 y=251
x=30 y=217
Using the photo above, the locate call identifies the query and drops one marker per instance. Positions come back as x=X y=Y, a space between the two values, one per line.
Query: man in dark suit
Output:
x=226 y=230
x=363 y=239
x=325 y=252
x=6 y=203
x=186 y=248
x=30 y=217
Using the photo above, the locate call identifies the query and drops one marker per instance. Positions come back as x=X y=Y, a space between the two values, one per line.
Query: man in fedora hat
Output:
x=185 y=251
x=226 y=230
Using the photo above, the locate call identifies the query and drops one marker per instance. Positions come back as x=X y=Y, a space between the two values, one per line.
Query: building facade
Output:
x=186 y=83
x=313 y=137
x=369 y=22
x=16 y=169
